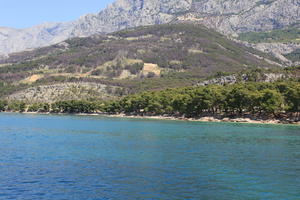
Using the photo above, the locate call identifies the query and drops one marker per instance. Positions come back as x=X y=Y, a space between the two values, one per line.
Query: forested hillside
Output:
x=153 y=57
x=280 y=100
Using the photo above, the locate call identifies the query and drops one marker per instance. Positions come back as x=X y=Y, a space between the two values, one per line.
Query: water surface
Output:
x=81 y=157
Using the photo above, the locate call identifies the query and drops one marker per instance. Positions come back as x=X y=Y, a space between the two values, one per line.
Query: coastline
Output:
x=205 y=119
x=172 y=118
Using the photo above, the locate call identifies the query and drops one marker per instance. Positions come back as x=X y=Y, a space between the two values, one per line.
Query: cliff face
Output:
x=236 y=16
x=131 y=13
x=227 y=16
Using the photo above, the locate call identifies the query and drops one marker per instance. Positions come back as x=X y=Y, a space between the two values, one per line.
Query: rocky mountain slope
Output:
x=230 y=17
x=237 y=16
x=145 y=58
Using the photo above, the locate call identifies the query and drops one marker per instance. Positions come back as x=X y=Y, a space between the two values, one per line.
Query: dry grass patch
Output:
x=151 y=68
x=138 y=38
x=32 y=78
x=195 y=51
x=3 y=65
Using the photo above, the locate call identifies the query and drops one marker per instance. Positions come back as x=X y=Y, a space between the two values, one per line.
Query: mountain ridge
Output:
x=226 y=16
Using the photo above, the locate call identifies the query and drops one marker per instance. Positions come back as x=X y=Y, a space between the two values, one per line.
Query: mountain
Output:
x=144 y=58
x=119 y=15
x=15 y=40
x=238 y=16
x=230 y=17
x=283 y=43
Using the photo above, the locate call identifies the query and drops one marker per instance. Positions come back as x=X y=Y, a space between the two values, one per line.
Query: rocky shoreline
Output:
x=200 y=119
x=208 y=119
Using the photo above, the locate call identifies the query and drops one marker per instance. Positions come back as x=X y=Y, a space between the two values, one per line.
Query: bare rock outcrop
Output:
x=64 y=91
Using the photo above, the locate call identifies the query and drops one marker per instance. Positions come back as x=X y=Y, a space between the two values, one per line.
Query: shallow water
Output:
x=82 y=157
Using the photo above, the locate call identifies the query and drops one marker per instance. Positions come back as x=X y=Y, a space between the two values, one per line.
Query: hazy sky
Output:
x=26 y=13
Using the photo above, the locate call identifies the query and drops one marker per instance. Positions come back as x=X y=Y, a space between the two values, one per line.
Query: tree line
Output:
x=256 y=99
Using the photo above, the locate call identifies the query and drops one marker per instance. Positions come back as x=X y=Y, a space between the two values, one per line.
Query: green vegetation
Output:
x=8 y=88
x=181 y=49
x=3 y=105
x=16 y=106
x=135 y=68
x=170 y=80
x=291 y=34
x=74 y=107
x=238 y=99
x=39 y=107
x=280 y=99
x=183 y=55
x=293 y=56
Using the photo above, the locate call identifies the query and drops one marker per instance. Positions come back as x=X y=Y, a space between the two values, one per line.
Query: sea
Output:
x=68 y=157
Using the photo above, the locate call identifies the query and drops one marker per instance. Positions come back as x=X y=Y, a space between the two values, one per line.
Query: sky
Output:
x=27 y=13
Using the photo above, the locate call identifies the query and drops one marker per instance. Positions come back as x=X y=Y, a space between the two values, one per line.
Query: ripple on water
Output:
x=71 y=157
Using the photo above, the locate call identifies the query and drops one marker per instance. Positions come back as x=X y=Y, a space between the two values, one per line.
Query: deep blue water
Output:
x=88 y=158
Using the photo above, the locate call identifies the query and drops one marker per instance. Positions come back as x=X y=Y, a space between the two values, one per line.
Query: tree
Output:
x=271 y=101
x=238 y=98
x=3 y=105
x=292 y=97
x=16 y=106
x=33 y=108
x=180 y=103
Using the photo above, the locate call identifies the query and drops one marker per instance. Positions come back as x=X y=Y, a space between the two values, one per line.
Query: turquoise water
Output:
x=87 y=158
